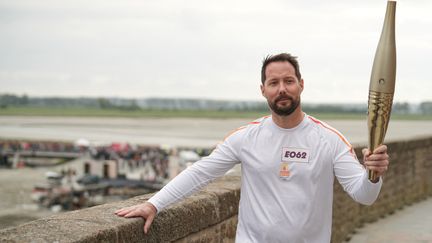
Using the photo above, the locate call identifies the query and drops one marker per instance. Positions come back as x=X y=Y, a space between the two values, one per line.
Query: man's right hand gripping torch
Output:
x=382 y=83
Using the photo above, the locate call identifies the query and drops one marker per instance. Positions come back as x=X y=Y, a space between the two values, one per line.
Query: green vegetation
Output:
x=138 y=113
x=96 y=112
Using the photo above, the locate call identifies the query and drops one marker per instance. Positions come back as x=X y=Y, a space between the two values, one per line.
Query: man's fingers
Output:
x=377 y=157
x=378 y=167
x=134 y=213
x=148 y=223
x=123 y=211
x=147 y=211
x=381 y=149
x=378 y=163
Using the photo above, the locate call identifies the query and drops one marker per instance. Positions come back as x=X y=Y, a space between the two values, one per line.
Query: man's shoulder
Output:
x=248 y=128
x=327 y=131
x=259 y=121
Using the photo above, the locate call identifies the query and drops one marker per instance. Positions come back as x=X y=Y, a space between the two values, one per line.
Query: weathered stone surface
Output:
x=211 y=215
x=208 y=209
x=408 y=180
x=223 y=232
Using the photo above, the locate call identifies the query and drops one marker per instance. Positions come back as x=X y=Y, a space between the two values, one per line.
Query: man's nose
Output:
x=282 y=88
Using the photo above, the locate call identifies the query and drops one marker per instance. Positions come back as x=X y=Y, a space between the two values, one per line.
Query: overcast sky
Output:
x=206 y=49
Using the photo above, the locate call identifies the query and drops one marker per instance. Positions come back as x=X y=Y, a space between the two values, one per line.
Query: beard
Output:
x=284 y=110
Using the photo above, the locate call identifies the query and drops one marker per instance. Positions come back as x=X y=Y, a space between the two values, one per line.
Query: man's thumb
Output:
x=366 y=152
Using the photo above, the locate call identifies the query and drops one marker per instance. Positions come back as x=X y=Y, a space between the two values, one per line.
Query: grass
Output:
x=95 y=112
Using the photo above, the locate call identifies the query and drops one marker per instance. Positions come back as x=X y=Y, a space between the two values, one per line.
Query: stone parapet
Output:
x=207 y=216
x=211 y=214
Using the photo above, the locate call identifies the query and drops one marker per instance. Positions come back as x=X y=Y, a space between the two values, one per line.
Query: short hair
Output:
x=282 y=57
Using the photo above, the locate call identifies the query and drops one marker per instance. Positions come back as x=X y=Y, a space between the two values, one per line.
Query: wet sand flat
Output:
x=173 y=131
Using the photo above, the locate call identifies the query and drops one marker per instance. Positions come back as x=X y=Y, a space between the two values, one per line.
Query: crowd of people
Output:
x=18 y=145
x=135 y=156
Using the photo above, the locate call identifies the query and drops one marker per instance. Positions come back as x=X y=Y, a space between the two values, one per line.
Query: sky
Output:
x=207 y=49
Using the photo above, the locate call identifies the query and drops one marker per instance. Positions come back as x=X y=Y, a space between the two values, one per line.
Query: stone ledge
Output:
x=212 y=205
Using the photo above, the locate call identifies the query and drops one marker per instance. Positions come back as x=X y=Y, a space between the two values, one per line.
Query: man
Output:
x=289 y=161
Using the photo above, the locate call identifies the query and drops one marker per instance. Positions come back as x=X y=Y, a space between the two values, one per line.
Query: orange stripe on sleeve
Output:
x=243 y=127
x=335 y=131
x=234 y=131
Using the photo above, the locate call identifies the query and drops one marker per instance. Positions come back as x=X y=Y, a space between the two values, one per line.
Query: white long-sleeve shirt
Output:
x=287 y=179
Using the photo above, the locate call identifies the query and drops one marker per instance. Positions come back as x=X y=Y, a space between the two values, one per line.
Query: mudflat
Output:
x=173 y=131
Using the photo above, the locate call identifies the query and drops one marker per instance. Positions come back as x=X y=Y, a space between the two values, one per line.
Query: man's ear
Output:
x=301 y=84
x=262 y=90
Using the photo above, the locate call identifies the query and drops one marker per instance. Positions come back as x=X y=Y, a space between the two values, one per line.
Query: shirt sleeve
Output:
x=201 y=173
x=353 y=176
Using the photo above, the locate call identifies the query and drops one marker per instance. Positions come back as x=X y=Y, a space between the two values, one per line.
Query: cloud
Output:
x=204 y=48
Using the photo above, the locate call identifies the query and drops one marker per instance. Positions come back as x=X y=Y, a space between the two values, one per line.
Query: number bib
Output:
x=295 y=155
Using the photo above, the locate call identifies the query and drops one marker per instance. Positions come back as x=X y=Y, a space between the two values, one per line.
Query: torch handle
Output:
x=379 y=109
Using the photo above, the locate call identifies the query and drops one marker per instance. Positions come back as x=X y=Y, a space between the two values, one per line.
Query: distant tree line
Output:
x=11 y=100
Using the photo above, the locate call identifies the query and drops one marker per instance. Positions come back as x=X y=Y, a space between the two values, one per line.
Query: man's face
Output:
x=282 y=88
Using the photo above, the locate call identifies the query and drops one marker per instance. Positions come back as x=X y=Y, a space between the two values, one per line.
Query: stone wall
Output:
x=408 y=180
x=211 y=215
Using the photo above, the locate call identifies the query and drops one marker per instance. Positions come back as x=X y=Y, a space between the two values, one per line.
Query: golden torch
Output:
x=382 y=83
